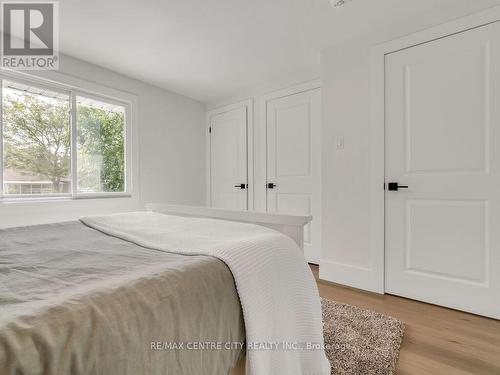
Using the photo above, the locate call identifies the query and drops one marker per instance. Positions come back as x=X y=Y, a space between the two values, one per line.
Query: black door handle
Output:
x=394 y=186
x=270 y=185
x=241 y=186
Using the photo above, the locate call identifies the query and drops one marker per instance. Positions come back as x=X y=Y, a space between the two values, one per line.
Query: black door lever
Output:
x=394 y=186
x=270 y=185
x=241 y=186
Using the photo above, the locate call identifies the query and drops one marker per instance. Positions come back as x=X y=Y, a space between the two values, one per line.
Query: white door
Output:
x=443 y=142
x=294 y=162
x=228 y=160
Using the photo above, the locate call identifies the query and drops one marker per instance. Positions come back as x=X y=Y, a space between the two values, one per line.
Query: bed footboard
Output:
x=290 y=225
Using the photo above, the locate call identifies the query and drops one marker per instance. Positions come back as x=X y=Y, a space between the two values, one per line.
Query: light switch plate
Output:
x=339 y=142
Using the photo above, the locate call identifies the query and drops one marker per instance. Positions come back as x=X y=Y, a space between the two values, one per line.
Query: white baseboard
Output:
x=353 y=276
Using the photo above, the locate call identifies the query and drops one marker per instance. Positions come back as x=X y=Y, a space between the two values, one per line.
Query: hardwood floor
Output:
x=437 y=340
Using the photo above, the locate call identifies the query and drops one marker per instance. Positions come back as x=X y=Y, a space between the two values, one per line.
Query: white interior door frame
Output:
x=248 y=104
x=374 y=277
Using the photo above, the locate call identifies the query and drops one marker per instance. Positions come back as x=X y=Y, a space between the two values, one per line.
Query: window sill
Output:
x=62 y=198
x=101 y=195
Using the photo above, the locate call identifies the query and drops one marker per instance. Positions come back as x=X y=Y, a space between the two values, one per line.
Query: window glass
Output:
x=36 y=140
x=100 y=146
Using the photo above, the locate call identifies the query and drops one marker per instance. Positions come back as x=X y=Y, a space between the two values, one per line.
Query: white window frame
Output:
x=72 y=93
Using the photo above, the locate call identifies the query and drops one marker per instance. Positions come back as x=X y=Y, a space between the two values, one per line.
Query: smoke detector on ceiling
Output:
x=338 y=3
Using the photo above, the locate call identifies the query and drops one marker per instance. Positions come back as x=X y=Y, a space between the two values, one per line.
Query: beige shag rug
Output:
x=360 y=342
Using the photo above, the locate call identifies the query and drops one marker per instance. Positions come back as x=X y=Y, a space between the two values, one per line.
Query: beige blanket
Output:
x=76 y=301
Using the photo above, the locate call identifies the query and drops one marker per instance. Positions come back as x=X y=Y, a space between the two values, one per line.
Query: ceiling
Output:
x=213 y=49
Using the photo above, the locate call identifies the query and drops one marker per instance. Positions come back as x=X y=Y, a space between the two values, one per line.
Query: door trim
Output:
x=248 y=104
x=375 y=275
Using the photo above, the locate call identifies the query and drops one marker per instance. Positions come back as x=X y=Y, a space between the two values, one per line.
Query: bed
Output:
x=77 y=299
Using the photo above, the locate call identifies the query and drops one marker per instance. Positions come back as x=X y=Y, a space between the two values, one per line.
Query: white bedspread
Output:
x=277 y=290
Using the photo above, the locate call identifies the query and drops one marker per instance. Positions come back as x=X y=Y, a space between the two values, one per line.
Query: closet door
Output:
x=293 y=186
x=228 y=160
x=443 y=148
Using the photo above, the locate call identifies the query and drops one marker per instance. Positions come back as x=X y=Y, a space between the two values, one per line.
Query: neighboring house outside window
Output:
x=17 y=182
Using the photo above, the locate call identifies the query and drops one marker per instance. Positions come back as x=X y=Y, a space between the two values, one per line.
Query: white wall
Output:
x=346 y=108
x=345 y=76
x=170 y=152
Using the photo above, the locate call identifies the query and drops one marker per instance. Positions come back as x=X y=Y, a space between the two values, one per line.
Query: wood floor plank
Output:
x=437 y=340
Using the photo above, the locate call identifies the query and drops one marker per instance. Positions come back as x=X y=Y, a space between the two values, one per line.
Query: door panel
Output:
x=294 y=163
x=228 y=160
x=440 y=137
x=458 y=229
x=293 y=141
x=443 y=141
